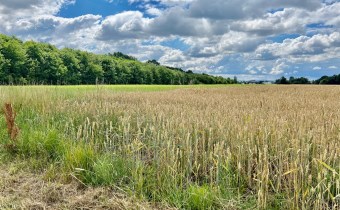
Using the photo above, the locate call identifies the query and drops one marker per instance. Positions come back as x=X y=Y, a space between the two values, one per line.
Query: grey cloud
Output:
x=235 y=9
x=26 y=8
x=211 y=28
x=203 y=52
x=19 y=4
x=54 y=26
x=265 y=54
x=184 y=22
x=217 y=9
x=330 y=15
x=19 y=12
x=133 y=25
x=176 y=22
x=310 y=5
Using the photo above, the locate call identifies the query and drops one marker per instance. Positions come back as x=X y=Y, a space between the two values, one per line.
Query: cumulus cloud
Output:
x=329 y=14
x=153 y=11
x=235 y=9
x=125 y=25
x=278 y=68
x=18 y=9
x=176 y=22
x=289 y=20
x=172 y=22
x=316 y=48
x=17 y=18
x=212 y=31
x=54 y=26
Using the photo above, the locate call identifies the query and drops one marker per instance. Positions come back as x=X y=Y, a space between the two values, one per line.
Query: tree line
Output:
x=40 y=63
x=324 y=80
x=292 y=80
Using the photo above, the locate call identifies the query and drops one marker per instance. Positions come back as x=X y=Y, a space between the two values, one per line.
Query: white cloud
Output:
x=235 y=9
x=286 y=21
x=175 y=22
x=254 y=68
x=210 y=30
x=239 y=42
x=278 y=68
x=13 y=10
x=55 y=26
x=125 y=25
x=154 y=11
x=317 y=68
x=316 y=48
x=329 y=14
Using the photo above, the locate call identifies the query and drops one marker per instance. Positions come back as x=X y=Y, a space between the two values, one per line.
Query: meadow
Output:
x=185 y=147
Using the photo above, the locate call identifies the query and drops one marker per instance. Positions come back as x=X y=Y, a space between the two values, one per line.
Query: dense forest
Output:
x=40 y=63
x=324 y=80
x=292 y=80
x=328 y=80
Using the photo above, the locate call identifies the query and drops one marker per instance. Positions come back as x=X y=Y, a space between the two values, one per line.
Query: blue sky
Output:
x=250 y=39
x=98 y=7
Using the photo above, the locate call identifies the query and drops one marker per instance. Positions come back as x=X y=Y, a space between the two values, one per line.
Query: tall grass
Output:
x=265 y=147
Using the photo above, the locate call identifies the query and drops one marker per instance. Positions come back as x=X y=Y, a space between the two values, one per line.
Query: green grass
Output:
x=116 y=88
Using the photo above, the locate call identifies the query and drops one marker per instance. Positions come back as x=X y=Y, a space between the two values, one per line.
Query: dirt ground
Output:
x=20 y=189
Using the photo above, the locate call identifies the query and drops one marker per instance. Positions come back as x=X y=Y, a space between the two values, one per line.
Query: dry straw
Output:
x=10 y=115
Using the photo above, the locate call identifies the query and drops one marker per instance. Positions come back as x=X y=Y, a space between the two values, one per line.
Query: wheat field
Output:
x=193 y=147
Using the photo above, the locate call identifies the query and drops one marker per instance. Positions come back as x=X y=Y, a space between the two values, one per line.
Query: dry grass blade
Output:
x=10 y=115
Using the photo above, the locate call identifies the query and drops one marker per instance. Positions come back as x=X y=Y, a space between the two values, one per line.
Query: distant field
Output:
x=188 y=147
x=115 y=88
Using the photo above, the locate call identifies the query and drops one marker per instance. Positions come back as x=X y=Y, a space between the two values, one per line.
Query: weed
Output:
x=12 y=128
x=201 y=197
x=111 y=171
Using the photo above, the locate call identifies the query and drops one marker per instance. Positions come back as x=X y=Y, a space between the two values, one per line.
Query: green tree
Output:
x=53 y=69
x=110 y=70
x=15 y=57
x=91 y=71
x=282 y=80
x=35 y=59
x=137 y=76
x=39 y=63
x=4 y=69
x=73 y=73
x=153 y=62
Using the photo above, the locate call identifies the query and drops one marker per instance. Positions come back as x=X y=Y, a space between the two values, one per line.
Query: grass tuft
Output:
x=201 y=197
